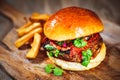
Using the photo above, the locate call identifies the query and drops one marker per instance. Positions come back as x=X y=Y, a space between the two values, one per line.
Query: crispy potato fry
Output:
x=29 y=28
x=21 y=41
x=31 y=33
x=38 y=17
x=24 y=26
x=35 y=46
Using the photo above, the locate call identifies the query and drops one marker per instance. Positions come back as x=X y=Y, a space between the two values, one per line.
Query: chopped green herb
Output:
x=48 y=68
x=51 y=68
x=86 y=57
x=79 y=43
x=60 y=43
x=89 y=52
x=84 y=53
x=85 y=63
x=53 y=53
x=50 y=65
x=50 y=54
x=56 y=53
x=58 y=71
x=49 y=47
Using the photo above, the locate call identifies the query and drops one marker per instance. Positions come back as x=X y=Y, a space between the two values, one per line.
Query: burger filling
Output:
x=78 y=50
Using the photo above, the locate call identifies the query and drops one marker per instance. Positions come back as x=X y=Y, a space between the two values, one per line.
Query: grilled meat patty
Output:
x=73 y=53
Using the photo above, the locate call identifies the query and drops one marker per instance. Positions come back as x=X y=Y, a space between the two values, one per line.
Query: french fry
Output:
x=24 y=26
x=38 y=17
x=29 y=28
x=32 y=53
x=21 y=41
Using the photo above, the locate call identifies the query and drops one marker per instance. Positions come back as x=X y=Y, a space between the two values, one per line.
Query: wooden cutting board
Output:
x=20 y=68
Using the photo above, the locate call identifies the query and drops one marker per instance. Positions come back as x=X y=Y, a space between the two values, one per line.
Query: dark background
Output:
x=106 y=9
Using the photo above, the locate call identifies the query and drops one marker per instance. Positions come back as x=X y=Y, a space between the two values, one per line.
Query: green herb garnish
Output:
x=49 y=47
x=52 y=69
x=60 y=43
x=50 y=54
x=86 y=57
x=54 y=53
x=79 y=43
x=85 y=63
x=49 y=68
x=57 y=71
x=87 y=52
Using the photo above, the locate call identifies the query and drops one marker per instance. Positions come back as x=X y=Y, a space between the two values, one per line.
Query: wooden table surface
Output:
x=16 y=66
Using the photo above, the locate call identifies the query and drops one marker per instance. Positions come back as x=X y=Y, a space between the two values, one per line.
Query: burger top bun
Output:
x=72 y=22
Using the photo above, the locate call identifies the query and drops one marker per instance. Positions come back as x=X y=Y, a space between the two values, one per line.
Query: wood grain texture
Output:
x=20 y=68
x=17 y=65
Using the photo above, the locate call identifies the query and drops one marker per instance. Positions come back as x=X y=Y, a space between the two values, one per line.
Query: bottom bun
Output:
x=74 y=66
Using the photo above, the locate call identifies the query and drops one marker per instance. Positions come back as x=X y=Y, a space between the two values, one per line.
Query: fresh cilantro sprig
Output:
x=49 y=47
x=79 y=43
x=52 y=69
x=48 y=68
x=86 y=57
x=57 y=71
x=54 y=53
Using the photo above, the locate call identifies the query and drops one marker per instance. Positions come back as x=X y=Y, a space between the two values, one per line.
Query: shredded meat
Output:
x=95 y=43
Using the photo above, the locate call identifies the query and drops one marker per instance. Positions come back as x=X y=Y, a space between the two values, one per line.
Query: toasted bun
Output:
x=74 y=66
x=72 y=22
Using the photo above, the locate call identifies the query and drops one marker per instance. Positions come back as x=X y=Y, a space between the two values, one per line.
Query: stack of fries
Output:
x=32 y=29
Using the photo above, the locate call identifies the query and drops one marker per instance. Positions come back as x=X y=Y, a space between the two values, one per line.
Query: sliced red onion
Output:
x=64 y=44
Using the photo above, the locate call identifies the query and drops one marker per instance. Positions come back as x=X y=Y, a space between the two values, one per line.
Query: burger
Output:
x=72 y=39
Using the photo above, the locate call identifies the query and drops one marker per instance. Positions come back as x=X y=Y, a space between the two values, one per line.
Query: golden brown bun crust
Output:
x=74 y=66
x=72 y=22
